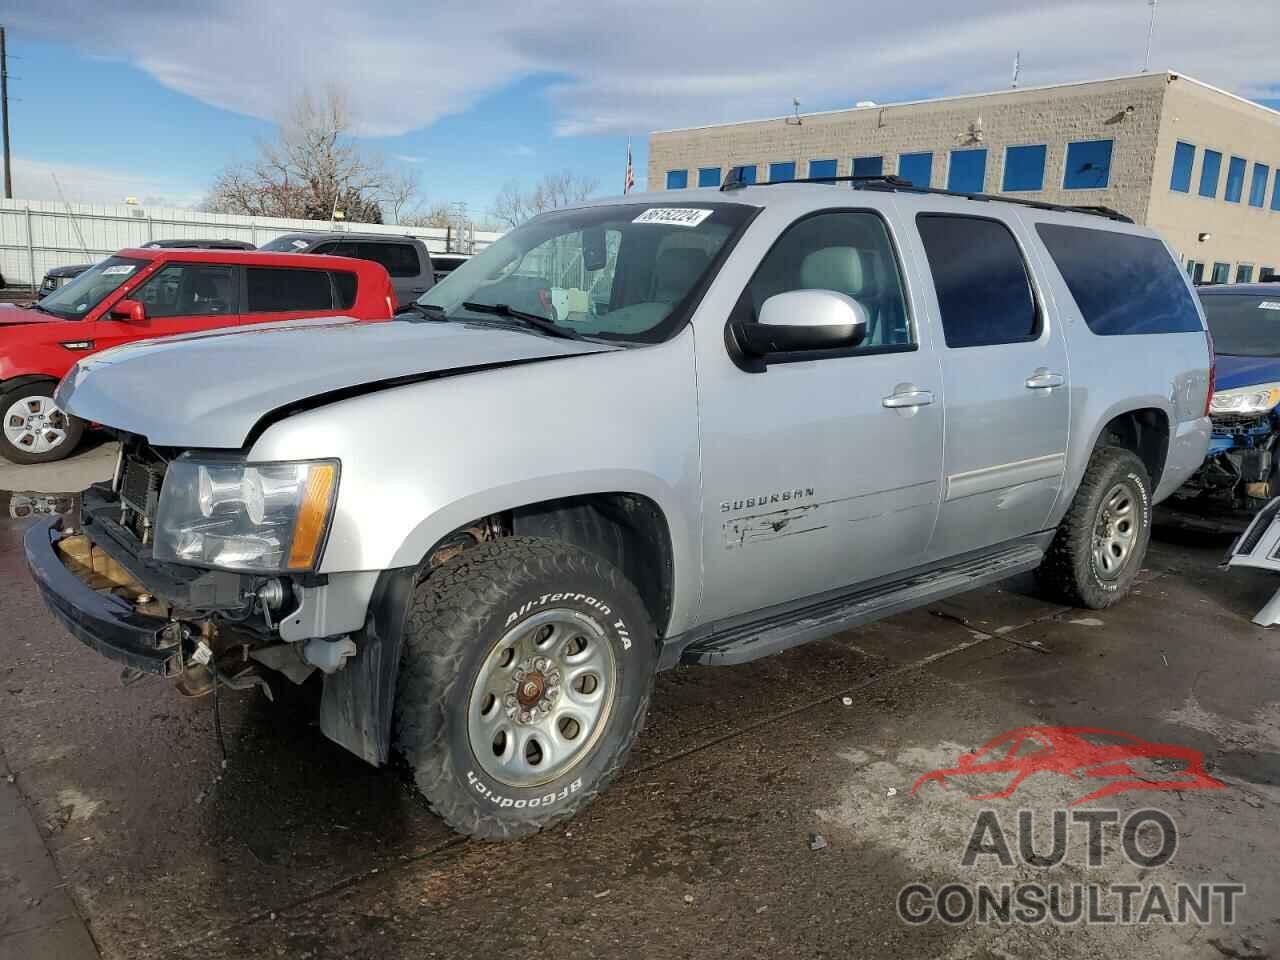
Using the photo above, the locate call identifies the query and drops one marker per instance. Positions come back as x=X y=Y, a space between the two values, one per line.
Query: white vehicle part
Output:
x=1259 y=547
x=329 y=655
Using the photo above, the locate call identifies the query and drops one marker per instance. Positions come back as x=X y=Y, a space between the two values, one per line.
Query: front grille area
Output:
x=139 y=488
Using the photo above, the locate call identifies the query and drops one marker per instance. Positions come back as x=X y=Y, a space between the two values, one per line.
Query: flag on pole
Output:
x=1017 y=68
x=629 y=183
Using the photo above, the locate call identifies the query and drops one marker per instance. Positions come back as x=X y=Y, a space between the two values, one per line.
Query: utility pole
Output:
x=1151 y=29
x=4 y=115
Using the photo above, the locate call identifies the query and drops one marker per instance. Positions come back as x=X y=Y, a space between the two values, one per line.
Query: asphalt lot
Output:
x=704 y=847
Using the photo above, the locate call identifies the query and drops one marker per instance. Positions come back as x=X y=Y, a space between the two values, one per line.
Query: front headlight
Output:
x=1245 y=401
x=254 y=517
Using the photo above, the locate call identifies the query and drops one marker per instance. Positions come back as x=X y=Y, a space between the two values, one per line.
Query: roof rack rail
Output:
x=888 y=181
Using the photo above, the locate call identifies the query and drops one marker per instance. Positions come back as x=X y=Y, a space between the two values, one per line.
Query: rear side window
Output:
x=400 y=259
x=984 y=291
x=276 y=289
x=1121 y=282
x=344 y=289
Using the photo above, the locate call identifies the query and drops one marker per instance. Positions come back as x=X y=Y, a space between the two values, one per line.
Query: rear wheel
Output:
x=1102 y=541
x=525 y=679
x=35 y=429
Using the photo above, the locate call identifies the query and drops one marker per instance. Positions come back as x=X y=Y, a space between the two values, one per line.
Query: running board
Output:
x=781 y=632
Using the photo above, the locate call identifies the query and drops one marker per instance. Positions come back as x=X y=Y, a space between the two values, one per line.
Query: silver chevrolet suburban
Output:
x=696 y=427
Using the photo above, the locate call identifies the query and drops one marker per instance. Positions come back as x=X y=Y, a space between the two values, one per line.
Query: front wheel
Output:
x=35 y=429
x=526 y=676
x=1102 y=541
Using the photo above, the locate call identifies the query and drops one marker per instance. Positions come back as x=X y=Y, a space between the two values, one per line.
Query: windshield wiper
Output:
x=532 y=319
x=35 y=305
x=429 y=310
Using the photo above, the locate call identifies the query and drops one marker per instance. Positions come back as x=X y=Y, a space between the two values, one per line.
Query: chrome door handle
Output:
x=908 y=398
x=1043 y=380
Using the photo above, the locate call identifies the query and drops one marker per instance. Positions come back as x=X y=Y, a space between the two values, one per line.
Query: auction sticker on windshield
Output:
x=1269 y=305
x=677 y=216
x=118 y=269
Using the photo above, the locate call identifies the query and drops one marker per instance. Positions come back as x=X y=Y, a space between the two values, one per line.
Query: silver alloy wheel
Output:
x=1116 y=530
x=35 y=424
x=542 y=697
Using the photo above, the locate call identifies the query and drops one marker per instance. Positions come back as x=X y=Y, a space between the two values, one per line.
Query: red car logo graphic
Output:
x=1077 y=752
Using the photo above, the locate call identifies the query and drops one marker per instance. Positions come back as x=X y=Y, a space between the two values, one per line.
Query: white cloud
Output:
x=34 y=179
x=522 y=150
x=632 y=68
x=408 y=158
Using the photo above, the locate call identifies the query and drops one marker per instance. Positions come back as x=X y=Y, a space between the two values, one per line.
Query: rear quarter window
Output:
x=400 y=259
x=1122 y=283
x=344 y=289
x=279 y=289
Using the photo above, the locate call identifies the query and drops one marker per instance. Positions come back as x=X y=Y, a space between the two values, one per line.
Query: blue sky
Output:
x=151 y=99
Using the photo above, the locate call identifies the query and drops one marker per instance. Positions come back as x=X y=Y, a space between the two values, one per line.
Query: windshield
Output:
x=620 y=272
x=77 y=297
x=286 y=244
x=1244 y=325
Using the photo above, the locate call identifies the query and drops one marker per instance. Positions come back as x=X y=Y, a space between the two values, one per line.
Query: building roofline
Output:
x=1167 y=74
x=1226 y=93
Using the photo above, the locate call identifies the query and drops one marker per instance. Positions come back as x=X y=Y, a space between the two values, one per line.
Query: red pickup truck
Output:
x=144 y=294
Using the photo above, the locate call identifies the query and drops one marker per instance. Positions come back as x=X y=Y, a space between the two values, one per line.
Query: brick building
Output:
x=1197 y=163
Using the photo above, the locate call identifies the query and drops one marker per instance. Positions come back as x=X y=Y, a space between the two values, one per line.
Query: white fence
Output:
x=36 y=235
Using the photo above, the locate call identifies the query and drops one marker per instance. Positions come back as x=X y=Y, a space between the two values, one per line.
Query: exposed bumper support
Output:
x=104 y=622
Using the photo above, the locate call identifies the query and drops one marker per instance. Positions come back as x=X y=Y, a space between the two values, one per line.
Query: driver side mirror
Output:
x=804 y=320
x=131 y=311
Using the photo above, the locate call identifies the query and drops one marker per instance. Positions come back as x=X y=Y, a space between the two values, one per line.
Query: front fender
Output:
x=421 y=460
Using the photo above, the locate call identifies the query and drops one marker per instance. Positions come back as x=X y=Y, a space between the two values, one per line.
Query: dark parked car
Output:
x=58 y=276
x=184 y=244
x=405 y=257
x=445 y=263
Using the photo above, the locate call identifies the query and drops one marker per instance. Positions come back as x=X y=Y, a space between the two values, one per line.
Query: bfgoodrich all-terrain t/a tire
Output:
x=1102 y=541
x=525 y=678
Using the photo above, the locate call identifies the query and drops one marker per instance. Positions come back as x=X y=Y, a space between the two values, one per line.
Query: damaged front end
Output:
x=1239 y=473
x=100 y=576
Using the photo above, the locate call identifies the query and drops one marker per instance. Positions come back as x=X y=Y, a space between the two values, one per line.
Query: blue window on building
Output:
x=1088 y=165
x=1258 y=186
x=677 y=179
x=708 y=176
x=1221 y=273
x=780 y=172
x=746 y=173
x=1235 y=180
x=868 y=166
x=968 y=171
x=1184 y=158
x=822 y=168
x=916 y=168
x=1209 y=173
x=1024 y=168
x=1275 y=192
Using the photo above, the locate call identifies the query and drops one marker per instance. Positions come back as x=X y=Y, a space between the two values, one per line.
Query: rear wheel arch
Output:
x=1144 y=431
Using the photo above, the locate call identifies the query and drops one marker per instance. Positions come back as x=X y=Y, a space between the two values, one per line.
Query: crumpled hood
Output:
x=1231 y=372
x=210 y=389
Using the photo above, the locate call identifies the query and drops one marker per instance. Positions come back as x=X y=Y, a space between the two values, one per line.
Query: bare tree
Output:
x=436 y=215
x=513 y=206
x=312 y=168
x=509 y=207
x=400 y=190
